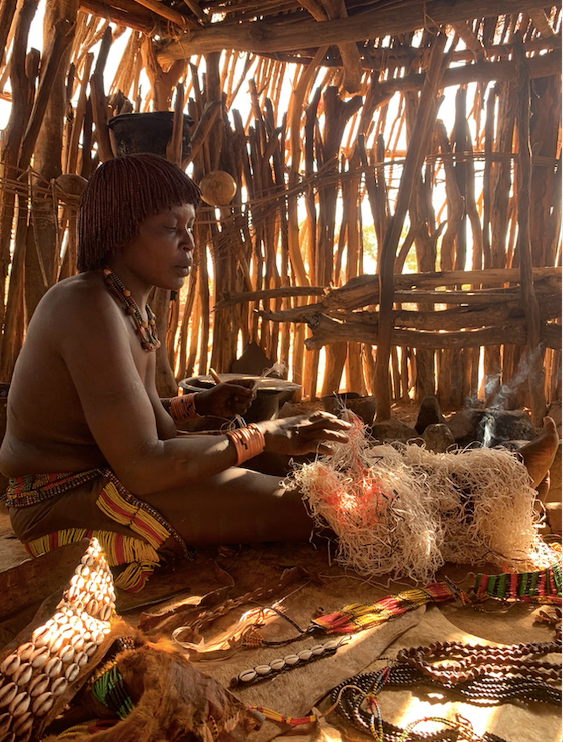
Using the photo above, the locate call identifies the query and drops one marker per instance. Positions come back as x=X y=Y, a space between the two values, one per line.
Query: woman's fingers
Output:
x=324 y=426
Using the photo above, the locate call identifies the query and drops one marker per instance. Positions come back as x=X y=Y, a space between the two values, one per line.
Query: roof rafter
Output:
x=264 y=36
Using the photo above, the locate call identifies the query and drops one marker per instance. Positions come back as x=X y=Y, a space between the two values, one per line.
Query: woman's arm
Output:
x=112 y=373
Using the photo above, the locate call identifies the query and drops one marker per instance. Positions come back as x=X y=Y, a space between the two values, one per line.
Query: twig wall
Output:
x=330 y=185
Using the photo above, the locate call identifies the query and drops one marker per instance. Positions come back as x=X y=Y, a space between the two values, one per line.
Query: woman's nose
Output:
x=188 y=240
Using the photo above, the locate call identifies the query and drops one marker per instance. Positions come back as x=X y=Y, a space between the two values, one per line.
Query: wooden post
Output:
x=13 y=135
x=536 y=374
x=413 y=163
x=98 y=98
x=41 y=263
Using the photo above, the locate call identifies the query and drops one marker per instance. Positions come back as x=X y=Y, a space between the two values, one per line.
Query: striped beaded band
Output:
x=248 y=442
x=183 y=408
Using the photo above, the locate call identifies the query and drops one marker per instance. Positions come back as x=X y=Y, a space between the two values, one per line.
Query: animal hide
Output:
x=172 y=701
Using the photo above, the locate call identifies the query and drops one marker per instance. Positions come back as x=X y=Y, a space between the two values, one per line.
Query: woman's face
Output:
x=162 y=252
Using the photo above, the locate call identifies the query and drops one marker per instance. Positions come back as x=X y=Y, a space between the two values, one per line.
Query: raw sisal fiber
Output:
x=404 y=511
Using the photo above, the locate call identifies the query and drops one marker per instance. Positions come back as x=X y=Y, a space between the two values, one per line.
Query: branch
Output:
x=264 y=36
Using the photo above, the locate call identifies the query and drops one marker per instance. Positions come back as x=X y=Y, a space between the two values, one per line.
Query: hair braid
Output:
x=120 y=195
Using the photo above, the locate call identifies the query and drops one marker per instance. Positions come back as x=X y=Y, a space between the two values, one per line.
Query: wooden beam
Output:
x=504 y=71
x=168 y=13
x=364 y=290
x=268 y=37
x=144 y=20
x=327 y=331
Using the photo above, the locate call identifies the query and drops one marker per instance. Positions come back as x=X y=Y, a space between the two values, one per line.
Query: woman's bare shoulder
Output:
x=78 y=295
x=77 y=306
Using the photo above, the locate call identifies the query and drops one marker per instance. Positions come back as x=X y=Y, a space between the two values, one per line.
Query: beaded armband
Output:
x=183 y=408
x=248 y=442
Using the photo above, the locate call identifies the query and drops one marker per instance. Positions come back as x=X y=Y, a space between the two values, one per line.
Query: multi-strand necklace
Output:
x=479 y=674
x=146 y=330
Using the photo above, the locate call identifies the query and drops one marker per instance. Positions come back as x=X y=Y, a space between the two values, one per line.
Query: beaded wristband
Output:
x=248 y=442
x=183 y=408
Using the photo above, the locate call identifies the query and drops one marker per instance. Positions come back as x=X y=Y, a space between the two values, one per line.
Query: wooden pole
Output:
x=13 y=134
x=98 y=98
x=536 y=374
x=413 y=163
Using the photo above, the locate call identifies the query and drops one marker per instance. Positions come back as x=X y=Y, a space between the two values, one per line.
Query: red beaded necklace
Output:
x=145 y=330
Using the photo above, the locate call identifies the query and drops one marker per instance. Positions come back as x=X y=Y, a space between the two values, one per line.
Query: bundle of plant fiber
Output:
x=404 y=511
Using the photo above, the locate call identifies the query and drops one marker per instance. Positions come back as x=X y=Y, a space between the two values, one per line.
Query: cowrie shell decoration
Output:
x=10 y=664
x=53 y=667
x=7 y=694
x=38 y=685
x=23 y=724
x=43 y=703
x=23 y=674
x=72 y=672
x=41 y=636
x=291 y=660
x=20 y=704
x=59 y=686
x=39 y=657
x=5 y=721
x=25 y=651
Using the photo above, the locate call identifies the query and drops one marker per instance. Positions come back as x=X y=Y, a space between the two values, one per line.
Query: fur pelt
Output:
x=173 y=701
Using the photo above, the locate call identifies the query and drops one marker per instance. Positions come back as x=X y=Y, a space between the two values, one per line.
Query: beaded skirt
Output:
x=51 y=510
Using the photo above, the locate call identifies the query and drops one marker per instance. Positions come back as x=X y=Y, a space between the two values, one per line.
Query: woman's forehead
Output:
x=183 y=211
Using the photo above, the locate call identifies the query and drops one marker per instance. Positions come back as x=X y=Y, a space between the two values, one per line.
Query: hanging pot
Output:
x=131 y=133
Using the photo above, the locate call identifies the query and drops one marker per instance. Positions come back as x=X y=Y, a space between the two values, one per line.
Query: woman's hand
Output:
x=295 y=436
x=227 y=399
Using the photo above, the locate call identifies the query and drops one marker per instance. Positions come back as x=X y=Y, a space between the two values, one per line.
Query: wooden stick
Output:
x=13 y=134
x=174 y=146
x=7 y=11
x=413 y=162
x=536 y=374
x=99 y=108
x=72 y=149
x=263 y=36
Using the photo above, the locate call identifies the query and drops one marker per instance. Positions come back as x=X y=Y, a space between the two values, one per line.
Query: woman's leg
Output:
x=236 y=506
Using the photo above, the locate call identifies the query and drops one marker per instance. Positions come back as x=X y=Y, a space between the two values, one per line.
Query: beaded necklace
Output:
x=145 y=330
x=471 y=661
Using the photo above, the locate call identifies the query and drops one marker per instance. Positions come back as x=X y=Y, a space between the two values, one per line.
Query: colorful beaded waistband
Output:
x=32 y=489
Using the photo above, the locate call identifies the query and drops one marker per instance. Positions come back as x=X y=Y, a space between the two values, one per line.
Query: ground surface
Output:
x=321 y=585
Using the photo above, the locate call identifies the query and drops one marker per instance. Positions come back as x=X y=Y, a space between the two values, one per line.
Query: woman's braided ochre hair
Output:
x=120 y=195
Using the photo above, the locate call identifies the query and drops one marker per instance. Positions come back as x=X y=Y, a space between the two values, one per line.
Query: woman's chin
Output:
x=171 y=284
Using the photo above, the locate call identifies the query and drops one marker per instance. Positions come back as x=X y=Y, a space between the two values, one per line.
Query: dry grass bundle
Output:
x=405 y=511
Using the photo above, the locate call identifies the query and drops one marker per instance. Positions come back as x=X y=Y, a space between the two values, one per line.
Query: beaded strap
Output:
x=544 y=586
x=248 y=442
x=109 y=689
x=183 y=408
x=289 y=662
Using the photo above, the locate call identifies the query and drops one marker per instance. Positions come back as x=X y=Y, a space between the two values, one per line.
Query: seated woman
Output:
x=94 y=451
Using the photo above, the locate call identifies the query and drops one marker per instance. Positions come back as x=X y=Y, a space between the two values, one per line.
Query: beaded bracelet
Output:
x=183 y=408
x=248 y=442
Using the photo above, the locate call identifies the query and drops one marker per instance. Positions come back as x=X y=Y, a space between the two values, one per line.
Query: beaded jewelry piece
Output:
x=183 y=408
x=483 y=690
x=470 y=661
x=355 y=700
x=289 y=662
x=540 y=587
x=146 y=330
x=248 y=442
x=110 y=690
